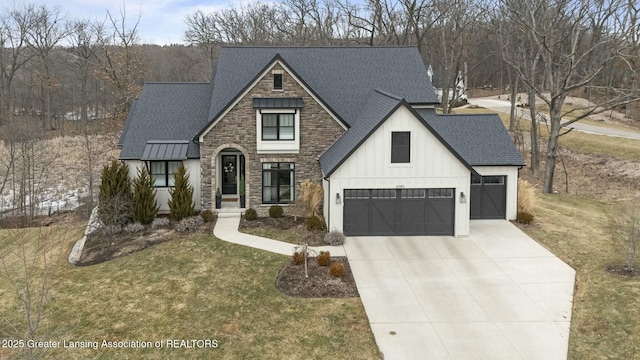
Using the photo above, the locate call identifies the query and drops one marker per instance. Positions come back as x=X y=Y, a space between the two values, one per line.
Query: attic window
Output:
x=277 y=81
x=400 y=147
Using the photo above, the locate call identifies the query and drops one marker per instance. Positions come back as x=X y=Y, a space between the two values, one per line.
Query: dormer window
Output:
x=277 y=81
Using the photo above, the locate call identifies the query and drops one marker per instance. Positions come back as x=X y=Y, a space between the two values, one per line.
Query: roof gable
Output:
x=377 y=109
x=342 y=77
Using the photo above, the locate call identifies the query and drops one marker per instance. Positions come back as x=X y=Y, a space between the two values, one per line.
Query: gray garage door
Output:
x=399 y=212
x=488 y=197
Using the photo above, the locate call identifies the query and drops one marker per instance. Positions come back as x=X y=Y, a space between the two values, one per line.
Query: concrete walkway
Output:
x=227 y=229
x=497 y=294
x=494 y=295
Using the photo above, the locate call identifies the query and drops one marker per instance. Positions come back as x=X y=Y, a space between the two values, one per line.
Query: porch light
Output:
x=463 y=198
x=338 y=201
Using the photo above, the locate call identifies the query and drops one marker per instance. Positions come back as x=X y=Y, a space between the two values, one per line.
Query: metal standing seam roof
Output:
x=165 y=150
x=277 y=103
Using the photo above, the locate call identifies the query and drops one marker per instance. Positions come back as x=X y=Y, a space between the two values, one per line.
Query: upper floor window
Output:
x=400 y=147
x=277 y=81
x=162 y=172
x=278 y=126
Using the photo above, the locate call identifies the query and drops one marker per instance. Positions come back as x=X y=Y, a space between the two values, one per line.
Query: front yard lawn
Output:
x=606 y=310
x=194 y=288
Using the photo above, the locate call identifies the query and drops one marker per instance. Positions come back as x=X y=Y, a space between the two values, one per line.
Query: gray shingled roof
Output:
x=378 y=107
x=342 y=76
x=481 y=139
x=166 y=111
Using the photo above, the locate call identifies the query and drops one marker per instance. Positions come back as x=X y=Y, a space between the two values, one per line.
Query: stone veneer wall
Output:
x=318 y=130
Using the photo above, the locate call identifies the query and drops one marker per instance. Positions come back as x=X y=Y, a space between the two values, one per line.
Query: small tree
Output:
x=181 y=201
x=144 y=206
x=628 y=226
x=115 y=194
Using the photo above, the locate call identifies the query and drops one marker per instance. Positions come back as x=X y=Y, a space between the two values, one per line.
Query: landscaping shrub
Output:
x=190 y=224
x=111 y=230
x=181 y=196
x=275 y=211
x=526 y=196
x=134 y=227
x=161 y=222
x=250 y=214
x=298 y=258
x=524 y=217
x=334 y=238
x=115 y=194
x=207 y=216
x=314 y=223
x=144 y=206
x=336 y=270
x=324 y=258
x=311 y=195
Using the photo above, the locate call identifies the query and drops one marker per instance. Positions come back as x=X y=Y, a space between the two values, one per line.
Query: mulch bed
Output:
x=320 y=284
x=623 y=270
x=99 y=247
x=297 y=226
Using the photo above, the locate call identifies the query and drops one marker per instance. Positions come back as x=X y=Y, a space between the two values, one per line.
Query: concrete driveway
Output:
x=496 y=294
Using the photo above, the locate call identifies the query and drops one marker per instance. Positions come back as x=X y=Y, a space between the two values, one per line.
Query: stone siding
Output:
x=237 y=129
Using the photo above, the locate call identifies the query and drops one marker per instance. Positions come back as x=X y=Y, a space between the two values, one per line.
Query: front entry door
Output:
x=229 y=174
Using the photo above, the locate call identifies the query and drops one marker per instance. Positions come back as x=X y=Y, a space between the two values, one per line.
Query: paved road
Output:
x=505 y=106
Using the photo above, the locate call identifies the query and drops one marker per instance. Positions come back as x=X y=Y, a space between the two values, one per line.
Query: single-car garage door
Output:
x=399 y=212
x=488 y=197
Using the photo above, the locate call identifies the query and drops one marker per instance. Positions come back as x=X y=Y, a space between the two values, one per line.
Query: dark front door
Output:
x=229 y=174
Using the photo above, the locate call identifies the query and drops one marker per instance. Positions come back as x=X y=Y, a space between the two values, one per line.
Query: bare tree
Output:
x=563 y=38
x=47 y=31
x=15 y=24
x=627 y=221
x=27 y=265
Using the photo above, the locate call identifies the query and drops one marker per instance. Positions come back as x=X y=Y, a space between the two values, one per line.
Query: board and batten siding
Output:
x=511 y=172
x=431 y=165
x=162 y=194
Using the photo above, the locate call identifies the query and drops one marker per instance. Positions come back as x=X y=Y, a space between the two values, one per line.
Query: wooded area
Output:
x=56 y=70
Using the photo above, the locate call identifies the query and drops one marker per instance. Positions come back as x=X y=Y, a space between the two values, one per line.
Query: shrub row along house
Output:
x=359 y=120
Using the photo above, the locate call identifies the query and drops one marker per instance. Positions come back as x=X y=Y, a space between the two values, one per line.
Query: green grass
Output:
x=273 y=233
x=195 y=288
x=606 y=311
x=578 y=141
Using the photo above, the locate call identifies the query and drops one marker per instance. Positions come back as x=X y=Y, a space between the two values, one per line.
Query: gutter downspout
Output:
x=328 y=204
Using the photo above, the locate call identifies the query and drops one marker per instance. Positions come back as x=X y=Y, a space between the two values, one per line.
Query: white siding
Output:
x=432 y=166
x=511 y=172
x=162 y=194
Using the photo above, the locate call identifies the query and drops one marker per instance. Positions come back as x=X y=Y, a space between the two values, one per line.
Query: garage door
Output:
x=398 y=212
x=488 y=197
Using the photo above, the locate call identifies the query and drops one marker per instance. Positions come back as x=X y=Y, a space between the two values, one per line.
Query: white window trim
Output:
x=278 y=146
x=412 y=149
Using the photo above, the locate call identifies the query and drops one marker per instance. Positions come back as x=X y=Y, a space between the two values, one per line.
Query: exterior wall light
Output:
x=338 y=201
x=463 y=198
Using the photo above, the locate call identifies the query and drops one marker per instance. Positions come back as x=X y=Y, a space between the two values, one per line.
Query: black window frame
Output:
x=292 y=175
x=400 y=153
x=277 y=81
x=262 y=122
x=166 y=173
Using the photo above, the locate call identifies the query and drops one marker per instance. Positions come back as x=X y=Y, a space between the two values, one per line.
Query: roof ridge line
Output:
x=393 y=96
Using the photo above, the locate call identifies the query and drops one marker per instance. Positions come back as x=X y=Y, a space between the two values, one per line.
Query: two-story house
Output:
x=358 y=120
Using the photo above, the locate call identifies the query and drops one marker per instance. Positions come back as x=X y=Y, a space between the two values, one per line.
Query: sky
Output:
x=161 y=21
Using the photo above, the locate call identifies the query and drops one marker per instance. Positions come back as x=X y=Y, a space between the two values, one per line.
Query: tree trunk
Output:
x=514 y=94
x=552 y=147
x=535 y=158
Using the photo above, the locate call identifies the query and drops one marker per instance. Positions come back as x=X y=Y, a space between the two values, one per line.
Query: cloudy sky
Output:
x=161 y=21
